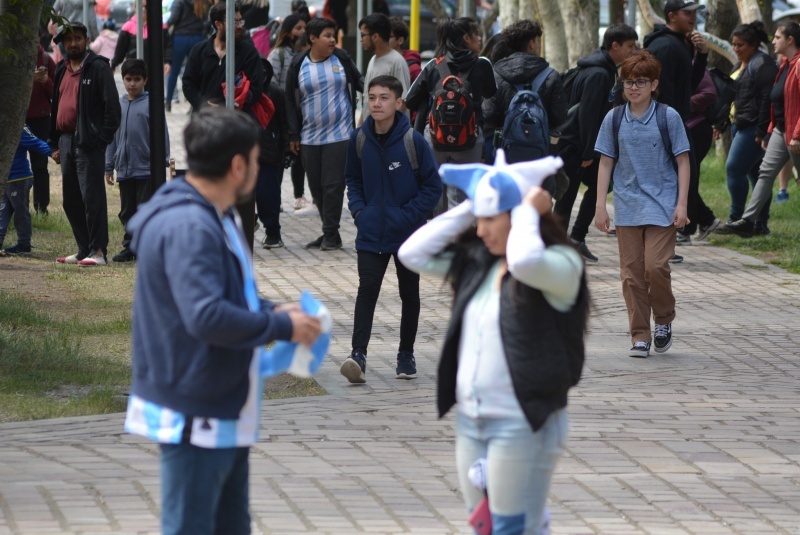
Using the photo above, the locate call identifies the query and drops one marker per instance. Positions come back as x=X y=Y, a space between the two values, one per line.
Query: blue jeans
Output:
x=15 y=202
x=204 y=491
x=181 y=46
x=744 y=159
x=520 y=466
x=268 y=198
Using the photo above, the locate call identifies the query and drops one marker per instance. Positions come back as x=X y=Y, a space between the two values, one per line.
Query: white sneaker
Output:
x=71 y=259
x=300 y=203
x=96 y=259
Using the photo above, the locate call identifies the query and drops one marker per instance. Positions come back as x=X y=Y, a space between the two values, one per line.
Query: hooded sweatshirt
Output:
x=414 y=62
x=105 y=44
x=388 y=201
x=522 y=68
x=20 y=167
x=681 y=69
x=591 y=98
x=480 y=77
x=129 y=153
x=193 y=334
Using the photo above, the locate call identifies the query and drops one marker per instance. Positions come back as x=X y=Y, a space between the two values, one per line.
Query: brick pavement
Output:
x=702 y=440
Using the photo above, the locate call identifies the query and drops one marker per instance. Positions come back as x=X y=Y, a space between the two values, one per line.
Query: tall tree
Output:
x=19 y=23
x=510 y=11
x=582 y=19
x=723 y=16
x=554 y=36
x=749 y=10
x=616 y=11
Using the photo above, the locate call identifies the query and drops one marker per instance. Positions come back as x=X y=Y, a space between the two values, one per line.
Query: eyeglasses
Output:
x=239 y=23
x=640 y=83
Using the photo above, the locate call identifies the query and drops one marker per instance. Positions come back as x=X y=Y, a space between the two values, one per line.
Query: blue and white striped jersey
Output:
x=325 y=102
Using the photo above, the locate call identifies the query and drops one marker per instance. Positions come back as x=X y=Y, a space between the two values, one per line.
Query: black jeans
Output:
x=133 y=192
x=371 y=269
x=577 y=175
x=40 y=127
x=84 y=192
x=298 y=178
x=268 y=198
x=324 y=166
x=696 y=209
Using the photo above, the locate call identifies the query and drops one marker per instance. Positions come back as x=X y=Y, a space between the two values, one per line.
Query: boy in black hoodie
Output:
x=591 y=96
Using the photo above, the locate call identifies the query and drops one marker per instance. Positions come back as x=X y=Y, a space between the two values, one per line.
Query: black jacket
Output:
x=753 y=87
x=183 y=21
x=544 y=348
x=480 y=78
x=591 y=99
x=99 y=113
x=274 y=140
x=204 y=73
x=681 y=69
x=126 y=48
x=522 y=68
x=294 y=108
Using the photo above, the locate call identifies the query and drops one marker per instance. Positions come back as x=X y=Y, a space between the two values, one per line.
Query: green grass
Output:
x=782 y=246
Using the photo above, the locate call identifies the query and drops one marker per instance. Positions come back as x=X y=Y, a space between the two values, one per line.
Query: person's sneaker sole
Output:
x=639 y=353
x=406 y=376
x=703 y=233
x=352 y=371
x=334 y=247
x=662 y=349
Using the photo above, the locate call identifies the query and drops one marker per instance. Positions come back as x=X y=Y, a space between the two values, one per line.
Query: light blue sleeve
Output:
x=677 y=133
x=605 y=138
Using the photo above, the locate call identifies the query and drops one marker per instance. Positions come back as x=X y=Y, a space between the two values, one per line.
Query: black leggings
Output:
x=298 y=178
x=371 y=269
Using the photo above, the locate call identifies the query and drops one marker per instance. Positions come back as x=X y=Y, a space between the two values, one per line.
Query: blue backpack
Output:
x=526 y=133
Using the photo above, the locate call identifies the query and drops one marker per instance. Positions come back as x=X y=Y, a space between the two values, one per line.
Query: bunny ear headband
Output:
x=501 y=187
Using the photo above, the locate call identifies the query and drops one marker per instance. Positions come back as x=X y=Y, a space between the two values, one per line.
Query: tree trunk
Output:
x=554 y=37
x=581 y=21
x=749 y=11
x=436 y=8
x=509 y=12
x=723 y=16
x=18 y=49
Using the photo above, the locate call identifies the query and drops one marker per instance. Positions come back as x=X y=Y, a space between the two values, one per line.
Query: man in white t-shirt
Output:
x=376 y=30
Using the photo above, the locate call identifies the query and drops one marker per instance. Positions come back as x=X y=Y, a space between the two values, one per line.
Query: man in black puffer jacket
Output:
x=591 y=96
x=683 y=54
x=522 y=67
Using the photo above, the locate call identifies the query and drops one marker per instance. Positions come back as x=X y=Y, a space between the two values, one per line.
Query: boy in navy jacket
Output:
x=15 y=199
x=129 y=153
x=392 y=186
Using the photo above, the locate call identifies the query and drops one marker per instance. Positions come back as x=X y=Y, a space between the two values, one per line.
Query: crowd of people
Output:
x=465 y=168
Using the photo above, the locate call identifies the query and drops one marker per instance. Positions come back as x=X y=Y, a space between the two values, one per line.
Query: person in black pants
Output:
x=591 y=95
x=388 y=203
x=38 y=120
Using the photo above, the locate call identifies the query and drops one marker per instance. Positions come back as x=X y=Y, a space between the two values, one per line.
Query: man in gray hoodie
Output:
x=129 y=153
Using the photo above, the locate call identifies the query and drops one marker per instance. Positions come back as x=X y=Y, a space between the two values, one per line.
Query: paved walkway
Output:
x=702 y=440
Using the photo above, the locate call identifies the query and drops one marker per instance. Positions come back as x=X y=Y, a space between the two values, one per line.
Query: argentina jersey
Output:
x=326 y=107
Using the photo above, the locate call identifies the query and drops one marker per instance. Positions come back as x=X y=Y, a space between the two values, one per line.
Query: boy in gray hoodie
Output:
x=129 y=153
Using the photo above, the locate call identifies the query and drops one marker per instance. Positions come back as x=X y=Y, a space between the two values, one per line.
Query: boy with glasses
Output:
x=644 y=143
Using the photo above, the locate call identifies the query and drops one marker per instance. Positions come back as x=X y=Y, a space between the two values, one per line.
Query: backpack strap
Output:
x=411 y=150
x=540 y=78
x=361 y=137
x=616 y=123
x=663 y=128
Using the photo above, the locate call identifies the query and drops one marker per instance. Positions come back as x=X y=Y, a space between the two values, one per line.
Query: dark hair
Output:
x=389 y=82
x=300 y=7
x=790 y=29
x=213 y=137
x=285 y=33
x=134 y=67
x=110 y=25
x=378 y=23
x=500 y=50
x=489 y=45
x=450 y=34
x=217 y=12
x=753 y=33
x=519 y=34
x=317 y=25
x=200 y=8
x=618 y=33
x=641 y=65
x=399 y=28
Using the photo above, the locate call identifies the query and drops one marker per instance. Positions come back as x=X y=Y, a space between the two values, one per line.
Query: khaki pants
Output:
x=644 y=254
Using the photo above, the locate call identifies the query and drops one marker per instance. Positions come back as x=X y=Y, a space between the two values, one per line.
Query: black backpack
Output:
x=453 y=124
x=718 y=113
x=526 y=132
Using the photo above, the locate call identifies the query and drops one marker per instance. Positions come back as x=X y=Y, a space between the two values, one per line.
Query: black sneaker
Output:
x=640 y=350
x=760 y=229
x=723 y=228
x=584 y=251
x=271 y=242
x=663 y=337
x=355 y=367
x=682 y=239
x=330 y=242
x=741 y=227
x=124 y=255
x=19 y=250
x=314 y=244
x=406 y=365
x=676 y=259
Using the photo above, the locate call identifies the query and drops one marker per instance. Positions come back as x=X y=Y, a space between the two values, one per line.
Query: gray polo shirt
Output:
x=645 y=182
